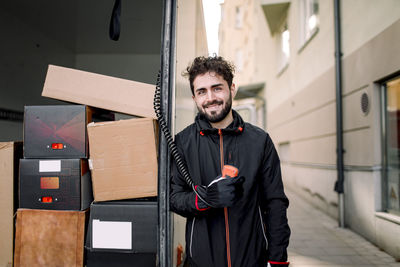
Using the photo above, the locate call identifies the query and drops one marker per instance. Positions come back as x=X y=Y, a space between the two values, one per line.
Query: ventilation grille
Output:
x=365 y=103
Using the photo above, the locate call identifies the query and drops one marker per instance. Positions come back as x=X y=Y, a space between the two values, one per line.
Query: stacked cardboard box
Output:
x=96 y=90
x=50 y=237
x=123 y=163
x=123 y=166
x=10 y=153
x=122 y=233
x=123 y=159
x=54 y=173
x=54 y=187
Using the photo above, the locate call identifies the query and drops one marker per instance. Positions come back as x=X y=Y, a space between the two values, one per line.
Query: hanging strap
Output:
x=115 y=24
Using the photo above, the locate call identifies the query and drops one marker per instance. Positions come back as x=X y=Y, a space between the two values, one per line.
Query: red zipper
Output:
x=228 y=246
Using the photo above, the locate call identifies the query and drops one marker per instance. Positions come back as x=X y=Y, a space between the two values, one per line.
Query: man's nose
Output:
x=210 y=95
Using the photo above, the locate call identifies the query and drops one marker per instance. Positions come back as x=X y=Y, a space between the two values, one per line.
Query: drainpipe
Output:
x=339 y=185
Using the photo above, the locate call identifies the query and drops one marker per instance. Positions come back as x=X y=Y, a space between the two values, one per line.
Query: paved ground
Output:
x=317 y=241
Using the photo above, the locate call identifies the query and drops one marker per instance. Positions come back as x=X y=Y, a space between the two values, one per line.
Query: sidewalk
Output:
x=317 y=240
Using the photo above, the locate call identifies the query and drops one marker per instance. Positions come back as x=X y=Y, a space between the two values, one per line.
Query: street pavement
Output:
x=317 y=240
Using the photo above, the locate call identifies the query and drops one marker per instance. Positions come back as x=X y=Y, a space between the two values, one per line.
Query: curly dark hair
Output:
x=217 y=64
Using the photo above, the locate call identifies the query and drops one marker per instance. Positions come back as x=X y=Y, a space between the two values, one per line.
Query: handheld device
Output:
x=229 y=170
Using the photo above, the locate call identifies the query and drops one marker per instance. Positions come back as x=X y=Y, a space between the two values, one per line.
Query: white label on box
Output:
x=49 y=165
x=112 y=235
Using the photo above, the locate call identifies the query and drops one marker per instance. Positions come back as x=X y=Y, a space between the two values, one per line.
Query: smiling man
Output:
x=213 y=97
x=231 y=221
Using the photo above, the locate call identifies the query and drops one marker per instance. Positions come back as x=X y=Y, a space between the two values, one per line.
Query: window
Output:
x=238 y=17
x=283 y=54
x=239 y=60
x=391 y=145
x=248 y=112
x=308 y=20
x=284 y=152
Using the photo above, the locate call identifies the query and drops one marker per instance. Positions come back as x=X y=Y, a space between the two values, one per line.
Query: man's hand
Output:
x=225 y=191
x=222 y=191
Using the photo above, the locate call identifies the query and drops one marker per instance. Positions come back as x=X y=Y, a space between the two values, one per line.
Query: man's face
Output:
x=212 y=96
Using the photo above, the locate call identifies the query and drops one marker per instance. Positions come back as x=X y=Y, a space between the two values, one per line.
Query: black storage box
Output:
x=122 y=233
x=63 y=184
x=59 y=131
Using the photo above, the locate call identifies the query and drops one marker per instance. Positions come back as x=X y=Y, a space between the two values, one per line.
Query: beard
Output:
x=215 y=116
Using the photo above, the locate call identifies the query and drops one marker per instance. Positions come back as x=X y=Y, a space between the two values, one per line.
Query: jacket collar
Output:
x=204 y=127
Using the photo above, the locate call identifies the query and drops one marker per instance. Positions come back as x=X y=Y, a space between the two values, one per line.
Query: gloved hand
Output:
x=221 y=192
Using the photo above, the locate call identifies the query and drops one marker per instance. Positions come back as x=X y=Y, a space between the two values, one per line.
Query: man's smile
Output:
x=213 y=107
x=213 y=104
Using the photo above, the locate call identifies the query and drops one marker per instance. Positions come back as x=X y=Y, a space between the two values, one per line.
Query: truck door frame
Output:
x=168 y=39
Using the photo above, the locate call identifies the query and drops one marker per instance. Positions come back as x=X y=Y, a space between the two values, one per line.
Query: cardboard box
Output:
x=123 y=159
x=62 y=184
x=122 y=233
x=55 y=131
x=10 y=153
x=49 y=238
x=110 y=93
x=59 y=131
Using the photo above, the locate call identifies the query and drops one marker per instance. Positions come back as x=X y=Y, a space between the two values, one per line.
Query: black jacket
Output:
x=258 y=227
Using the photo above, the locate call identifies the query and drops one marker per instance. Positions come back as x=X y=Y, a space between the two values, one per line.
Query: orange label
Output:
x=49 y=183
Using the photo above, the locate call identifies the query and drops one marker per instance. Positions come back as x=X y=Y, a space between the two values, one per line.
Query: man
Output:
x=237 y=221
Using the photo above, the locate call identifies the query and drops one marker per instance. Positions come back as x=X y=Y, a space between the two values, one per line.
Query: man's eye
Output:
x=201 y=92
x=217 y=89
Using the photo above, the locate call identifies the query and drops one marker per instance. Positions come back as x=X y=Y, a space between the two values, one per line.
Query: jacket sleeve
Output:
x=274 y=204
x=183 y=200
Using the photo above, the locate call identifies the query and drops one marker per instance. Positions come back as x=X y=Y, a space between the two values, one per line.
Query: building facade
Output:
x=289 y=46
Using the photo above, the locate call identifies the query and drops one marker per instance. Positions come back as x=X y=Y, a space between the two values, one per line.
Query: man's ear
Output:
x=233 y=90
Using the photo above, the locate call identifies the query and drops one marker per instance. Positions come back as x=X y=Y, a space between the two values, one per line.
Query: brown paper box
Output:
x=123 y=159
x=49 y=238
x=101 y=91
x=10 y=153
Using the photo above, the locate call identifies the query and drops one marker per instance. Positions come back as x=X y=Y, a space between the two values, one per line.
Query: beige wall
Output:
x=305 y=65
x=191 y=42
x=307 y=116
x=301 y=109
x=374 y=60
x=249 y=38
x=362 y=20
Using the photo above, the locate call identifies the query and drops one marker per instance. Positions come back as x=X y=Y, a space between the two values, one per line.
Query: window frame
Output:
x=282 y=60
x=305 y=13
x=239 y=16
x=384 y=150
x=239 y=60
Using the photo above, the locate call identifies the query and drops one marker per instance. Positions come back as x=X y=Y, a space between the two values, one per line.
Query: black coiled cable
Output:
x=171 y=144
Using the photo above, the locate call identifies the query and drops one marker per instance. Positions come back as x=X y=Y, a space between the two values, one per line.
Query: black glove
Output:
x=221 y=192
